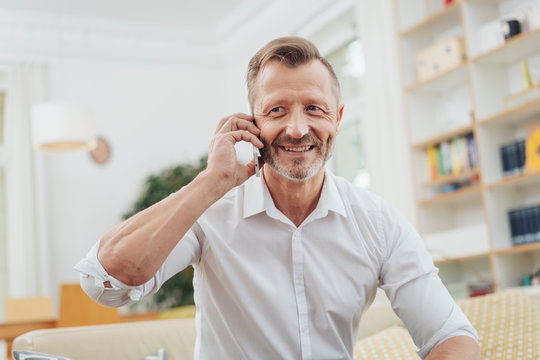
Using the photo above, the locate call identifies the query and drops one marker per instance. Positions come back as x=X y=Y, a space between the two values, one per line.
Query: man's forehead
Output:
x=276 y=77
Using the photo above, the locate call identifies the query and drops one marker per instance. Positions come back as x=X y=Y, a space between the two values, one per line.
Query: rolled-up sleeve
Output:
x=418 y=296
x=93 y=275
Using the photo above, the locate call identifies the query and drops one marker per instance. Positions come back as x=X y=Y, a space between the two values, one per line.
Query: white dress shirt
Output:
x=266 y=289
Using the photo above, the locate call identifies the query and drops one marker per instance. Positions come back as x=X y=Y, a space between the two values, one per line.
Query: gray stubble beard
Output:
x=295 y=172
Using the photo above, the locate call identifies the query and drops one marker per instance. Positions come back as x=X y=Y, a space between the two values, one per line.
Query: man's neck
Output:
x=295 y=199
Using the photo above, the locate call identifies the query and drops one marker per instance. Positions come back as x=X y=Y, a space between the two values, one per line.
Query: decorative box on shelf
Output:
x=439 y=57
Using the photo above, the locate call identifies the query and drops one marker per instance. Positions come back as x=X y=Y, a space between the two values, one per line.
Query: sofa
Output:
x=508 y=324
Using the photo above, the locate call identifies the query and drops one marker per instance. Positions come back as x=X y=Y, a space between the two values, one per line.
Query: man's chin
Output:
x=295 y=174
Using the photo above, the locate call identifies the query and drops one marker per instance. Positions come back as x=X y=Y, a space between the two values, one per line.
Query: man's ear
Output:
x=339 y=116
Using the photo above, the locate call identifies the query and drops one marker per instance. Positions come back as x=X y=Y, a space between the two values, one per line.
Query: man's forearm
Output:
x=456 y=348
x=133 y=251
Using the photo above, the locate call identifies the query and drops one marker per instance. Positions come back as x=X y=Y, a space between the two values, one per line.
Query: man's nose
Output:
x=297 y=125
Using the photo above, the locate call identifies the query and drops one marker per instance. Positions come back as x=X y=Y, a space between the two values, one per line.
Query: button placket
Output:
x=300 y=293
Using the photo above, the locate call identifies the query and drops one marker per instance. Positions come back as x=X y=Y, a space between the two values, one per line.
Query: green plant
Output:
x=178 y=290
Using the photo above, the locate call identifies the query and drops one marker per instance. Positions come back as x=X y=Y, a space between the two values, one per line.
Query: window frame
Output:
x=4 y=278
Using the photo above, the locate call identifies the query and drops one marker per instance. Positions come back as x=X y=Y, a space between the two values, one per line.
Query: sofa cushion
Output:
x=508 y=325
x=123 y=341
x=392 y=343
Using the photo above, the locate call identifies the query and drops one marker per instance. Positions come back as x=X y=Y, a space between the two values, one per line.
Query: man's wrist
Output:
x=209 y=186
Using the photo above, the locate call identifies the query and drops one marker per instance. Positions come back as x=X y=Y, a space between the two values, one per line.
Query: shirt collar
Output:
x=257 y=197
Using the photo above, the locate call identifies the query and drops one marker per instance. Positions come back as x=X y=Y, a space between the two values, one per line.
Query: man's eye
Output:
x=312 y=108
x=276 y=109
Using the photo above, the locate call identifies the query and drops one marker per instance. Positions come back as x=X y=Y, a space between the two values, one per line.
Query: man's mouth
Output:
x=298 y=148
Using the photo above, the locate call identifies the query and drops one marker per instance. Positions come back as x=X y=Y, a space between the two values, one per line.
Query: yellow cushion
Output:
x=180 y=312
x=393 y=343
x=508 y=325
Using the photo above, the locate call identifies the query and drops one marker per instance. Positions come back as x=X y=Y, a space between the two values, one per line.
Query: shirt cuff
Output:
x=457 y=324
x=93 y=277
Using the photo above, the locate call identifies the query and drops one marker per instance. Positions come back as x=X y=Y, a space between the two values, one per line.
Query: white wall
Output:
x=154 y=116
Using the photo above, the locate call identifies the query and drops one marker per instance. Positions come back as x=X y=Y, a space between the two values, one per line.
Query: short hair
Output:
x=292 y=51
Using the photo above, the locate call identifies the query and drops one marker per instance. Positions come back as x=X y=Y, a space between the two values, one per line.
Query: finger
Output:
x=233 y=124
x=226 y=119
x=243 y=135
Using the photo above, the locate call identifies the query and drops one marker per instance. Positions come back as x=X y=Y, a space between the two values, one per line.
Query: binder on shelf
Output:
x=473 y=157
x=530 y=224
x=536 y=217
x=524 y=225
x=521 y=154
x=512 y=157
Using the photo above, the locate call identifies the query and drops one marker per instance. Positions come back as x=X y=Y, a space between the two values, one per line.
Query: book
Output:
x=532 y=146
x=446 y=157
x=432 y=162
x=438 y=154
x=464 y=154
x=455 y=156
x=473 y=157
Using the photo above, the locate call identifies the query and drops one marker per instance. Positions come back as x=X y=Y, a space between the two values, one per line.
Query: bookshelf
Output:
x=463 y=213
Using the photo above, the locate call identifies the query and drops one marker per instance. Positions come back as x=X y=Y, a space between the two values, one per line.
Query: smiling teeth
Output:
x=298 y=149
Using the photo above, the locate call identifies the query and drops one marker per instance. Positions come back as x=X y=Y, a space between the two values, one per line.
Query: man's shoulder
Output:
x=356 y=196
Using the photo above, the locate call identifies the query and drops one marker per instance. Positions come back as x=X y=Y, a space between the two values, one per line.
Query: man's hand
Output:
x=456 y=348
x=133 y=250
x=222 y=163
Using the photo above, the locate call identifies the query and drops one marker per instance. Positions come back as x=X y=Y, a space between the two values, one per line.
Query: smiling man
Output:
x=285 y=264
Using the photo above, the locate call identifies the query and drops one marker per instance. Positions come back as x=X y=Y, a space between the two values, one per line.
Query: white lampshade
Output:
x=60 y=125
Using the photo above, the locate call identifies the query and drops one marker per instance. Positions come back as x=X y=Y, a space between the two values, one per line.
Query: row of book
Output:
x=525 y=225
x=452 y=157
x=513 y=157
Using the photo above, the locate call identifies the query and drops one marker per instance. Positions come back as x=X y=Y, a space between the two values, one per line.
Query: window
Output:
x=348 y=63
x=2 y=102
x=335 y=34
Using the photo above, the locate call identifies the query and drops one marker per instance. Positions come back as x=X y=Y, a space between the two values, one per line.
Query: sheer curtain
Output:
x=385 y=133
x=27 y=246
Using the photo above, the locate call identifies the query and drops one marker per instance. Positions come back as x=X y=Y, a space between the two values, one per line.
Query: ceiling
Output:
x=196 y=14
x=229 y=25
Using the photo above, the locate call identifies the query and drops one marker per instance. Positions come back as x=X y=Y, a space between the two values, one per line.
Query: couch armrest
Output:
x=133 y=340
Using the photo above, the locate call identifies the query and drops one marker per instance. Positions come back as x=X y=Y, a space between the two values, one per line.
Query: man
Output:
x=285 y=263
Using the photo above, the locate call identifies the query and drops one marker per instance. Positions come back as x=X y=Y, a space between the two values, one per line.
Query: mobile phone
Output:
x=256 y=161
x=256 y=157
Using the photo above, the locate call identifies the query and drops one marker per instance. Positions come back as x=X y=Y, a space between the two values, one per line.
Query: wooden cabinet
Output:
x=460 y=112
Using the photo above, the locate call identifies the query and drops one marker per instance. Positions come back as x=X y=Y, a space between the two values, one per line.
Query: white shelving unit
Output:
x=467 y=230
